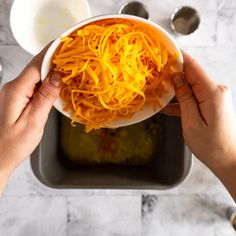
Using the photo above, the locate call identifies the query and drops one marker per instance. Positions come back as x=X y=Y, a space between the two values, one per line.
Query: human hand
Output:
x=208 y=121
x=207 y=116
x=24 y=108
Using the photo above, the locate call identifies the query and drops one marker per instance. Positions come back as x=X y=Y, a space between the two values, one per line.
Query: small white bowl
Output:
x=35 y=23
x=147 y=110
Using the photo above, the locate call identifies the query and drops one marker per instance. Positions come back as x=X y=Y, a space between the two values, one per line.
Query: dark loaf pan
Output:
x=170 y=166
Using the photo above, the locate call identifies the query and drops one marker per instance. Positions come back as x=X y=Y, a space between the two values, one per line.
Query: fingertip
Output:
x=185 y=54
x=178 y=80
x=189 y=61
x=51 y=86
x=182 y=90
x=55 y=79
x=48 y=93
x=181 y=86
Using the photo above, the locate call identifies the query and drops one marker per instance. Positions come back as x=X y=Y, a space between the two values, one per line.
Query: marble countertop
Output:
x=196 y=207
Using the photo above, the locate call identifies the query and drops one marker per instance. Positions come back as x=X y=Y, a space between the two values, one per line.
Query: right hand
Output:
x=207 y=116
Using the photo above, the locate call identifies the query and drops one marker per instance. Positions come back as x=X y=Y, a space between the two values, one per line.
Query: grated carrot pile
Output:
x=110 y=70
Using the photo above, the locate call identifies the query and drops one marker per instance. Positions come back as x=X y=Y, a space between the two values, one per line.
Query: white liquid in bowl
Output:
x=35 y=23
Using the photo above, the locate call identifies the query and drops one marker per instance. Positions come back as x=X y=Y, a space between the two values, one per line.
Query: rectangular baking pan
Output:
x=167 y=169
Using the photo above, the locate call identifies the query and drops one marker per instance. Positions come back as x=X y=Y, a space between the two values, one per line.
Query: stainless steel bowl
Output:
x=231 y=216
x=135 y=8
x=185 y=20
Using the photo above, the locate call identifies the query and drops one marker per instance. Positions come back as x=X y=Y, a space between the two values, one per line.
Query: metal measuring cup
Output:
x=231 y=216
x=135 y=8
x=185 y=20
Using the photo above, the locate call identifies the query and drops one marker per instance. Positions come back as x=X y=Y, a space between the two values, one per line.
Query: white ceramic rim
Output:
x=138 y=116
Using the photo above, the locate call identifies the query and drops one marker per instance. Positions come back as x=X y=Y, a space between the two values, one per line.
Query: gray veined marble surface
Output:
x=196 y=207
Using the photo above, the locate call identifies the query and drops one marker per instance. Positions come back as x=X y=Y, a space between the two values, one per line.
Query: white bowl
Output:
x=35 y=23
x=147 y=110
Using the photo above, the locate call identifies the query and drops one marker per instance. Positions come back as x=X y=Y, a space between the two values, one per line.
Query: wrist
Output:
x=5 y=172
x=223 y=163
x=6 y=163
x=3 y=180
x=220 y=159
x=226 y=173
x=6 y=168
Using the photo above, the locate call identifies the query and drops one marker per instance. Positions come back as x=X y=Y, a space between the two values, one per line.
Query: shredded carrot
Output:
x=111 y=69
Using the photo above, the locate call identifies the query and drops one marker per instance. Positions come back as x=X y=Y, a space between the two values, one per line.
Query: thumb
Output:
x=187 y=102
x=45 y=97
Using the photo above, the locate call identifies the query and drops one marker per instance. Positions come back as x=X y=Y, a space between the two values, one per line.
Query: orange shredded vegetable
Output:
x=111 y=69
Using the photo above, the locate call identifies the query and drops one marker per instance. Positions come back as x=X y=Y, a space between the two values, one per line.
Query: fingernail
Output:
x=178 y=81
x=55 y=79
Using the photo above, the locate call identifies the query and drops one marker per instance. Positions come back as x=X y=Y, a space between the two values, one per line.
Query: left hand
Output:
x=24 y=108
